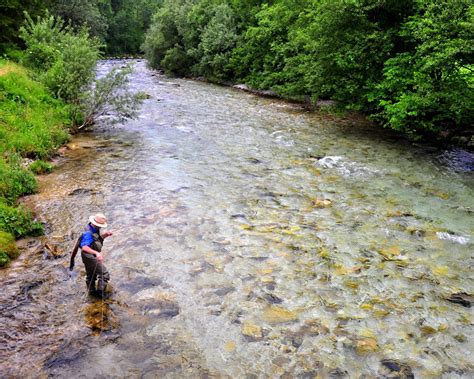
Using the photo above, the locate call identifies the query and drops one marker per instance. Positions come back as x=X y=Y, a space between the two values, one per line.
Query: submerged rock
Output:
x=26 y=288
x=230 y=346
x=461 y=298
x=53 y=251
x=321 y=203
x=252 y=331
x=81 y=191
x=392 y=368
x=224 y=291
x=158 y=304
x=162 y=309
x=140 y=283
x=366 y=345
x=277 y=315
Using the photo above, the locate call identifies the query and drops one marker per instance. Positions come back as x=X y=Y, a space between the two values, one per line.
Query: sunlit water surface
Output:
x=252 y=239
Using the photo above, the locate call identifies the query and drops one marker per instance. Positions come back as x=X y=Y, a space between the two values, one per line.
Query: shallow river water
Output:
x=251 y=239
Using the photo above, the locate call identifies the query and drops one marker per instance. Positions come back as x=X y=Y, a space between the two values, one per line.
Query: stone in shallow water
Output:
x=161 y=309
x=366 y=345
x=461 y=298
x=81 y=191
x=140 y=283
x=155 y=294
x=392 y=368
x=230 y=346
x=224 y=291
x=321 y=203
x=251 y=330
x=276 y=315
x=158 y=303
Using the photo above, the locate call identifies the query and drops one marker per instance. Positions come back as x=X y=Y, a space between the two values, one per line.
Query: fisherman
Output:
x=91 y=242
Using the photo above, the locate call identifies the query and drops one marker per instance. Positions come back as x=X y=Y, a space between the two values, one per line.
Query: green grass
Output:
x=40 y=167
x=31 y=120
x=32 y=125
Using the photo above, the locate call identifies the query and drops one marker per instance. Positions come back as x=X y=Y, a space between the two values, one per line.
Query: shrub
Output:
x=15 y=181
x=64 y=59
x=18 y=222
x=8 y=249
x=40 y=167
x=108 y=96
x=4 y=259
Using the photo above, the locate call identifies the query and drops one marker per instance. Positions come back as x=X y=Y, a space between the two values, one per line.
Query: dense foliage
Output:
x=64 y=59
x=119 y=24
x=408 y=64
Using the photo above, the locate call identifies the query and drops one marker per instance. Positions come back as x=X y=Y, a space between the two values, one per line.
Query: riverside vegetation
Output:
x=52 y=93
x=408 y=65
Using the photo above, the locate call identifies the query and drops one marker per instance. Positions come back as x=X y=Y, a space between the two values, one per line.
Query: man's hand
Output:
x=107 y=234
x=99 y=257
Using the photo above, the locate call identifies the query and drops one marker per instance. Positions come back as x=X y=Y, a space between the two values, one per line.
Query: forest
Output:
x=408 y=64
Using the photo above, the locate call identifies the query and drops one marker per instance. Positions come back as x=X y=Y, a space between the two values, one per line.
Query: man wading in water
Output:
x=91 y=243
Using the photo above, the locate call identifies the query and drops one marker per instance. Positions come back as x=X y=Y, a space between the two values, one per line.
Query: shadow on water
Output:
x=251 y=239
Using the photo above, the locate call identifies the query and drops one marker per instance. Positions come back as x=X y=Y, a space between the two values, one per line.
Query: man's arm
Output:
x=86 y=241
x=107 y=234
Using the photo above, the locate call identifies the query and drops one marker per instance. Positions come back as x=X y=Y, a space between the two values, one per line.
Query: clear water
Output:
x=252 y=239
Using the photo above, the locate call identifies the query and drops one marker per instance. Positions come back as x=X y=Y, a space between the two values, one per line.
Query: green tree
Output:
x=164 y=43
x=347 y=43
x=80 y=13
x=12 y=17
x=429 y=87
x=218 y=38
x=64 y=59
x=260 y=57
x=128 y=22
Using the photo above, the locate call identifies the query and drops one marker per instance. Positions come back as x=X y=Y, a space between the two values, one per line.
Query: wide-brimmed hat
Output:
x=98 y=220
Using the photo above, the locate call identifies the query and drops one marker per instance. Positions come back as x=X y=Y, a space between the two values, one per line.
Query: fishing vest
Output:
x=98 y=242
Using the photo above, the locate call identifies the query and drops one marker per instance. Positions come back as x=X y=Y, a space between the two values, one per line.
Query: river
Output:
x=251 y=239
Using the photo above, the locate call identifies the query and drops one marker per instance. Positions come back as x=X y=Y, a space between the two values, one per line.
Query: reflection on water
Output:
x=252 y=239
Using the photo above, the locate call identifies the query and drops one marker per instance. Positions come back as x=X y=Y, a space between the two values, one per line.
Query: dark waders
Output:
x=95 y=270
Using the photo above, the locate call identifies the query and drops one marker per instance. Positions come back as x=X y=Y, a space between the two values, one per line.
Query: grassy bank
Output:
x=32 y=126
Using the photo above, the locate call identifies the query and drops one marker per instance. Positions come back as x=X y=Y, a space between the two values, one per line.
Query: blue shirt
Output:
x=87 y=238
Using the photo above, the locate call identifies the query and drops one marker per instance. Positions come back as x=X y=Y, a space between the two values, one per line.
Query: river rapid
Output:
x=251 y=239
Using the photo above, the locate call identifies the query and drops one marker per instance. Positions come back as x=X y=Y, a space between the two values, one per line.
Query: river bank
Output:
x=32 y=126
